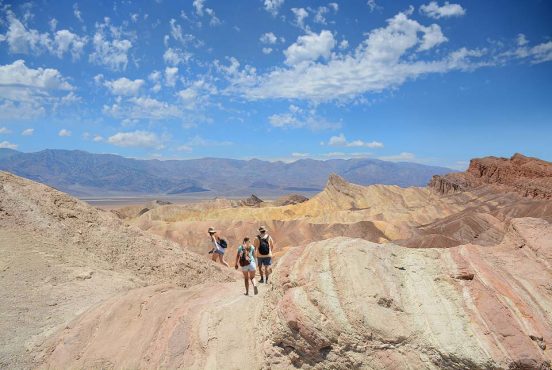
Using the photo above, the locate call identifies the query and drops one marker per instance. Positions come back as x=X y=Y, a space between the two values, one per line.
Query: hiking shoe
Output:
x=256 y=290
x=266 y=281
x=261 y=281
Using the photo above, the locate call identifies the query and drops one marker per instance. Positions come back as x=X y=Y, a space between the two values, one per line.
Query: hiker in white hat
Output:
x=219 y=246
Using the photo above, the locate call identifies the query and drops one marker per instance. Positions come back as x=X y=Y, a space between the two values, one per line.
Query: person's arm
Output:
x=254 y=253
x=237 y=259
x=256 y=242
x=271 y=244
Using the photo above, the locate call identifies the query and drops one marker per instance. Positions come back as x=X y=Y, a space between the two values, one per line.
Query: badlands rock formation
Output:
x=376 y=277
x=530 y=177
x=59 y=256
x=341 y=303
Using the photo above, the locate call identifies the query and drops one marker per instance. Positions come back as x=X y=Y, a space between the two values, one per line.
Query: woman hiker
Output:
x=219 y=246
x=246 y=259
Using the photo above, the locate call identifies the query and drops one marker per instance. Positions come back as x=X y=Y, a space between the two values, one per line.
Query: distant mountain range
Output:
x=87 y=174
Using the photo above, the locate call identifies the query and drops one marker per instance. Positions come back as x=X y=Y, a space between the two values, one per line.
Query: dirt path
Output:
x=203 y=327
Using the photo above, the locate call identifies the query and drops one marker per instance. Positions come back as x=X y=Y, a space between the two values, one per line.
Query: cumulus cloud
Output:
x=137 y=108
x=176 y=56
x=28 y=132
x=7 y=145
x=137 y=139
x=125 y=87
x=341 y=140
x=387 y=58
x=77 y=12
x=273 y=6
x=402 y=157
x=25 y=93
x=299 y=118
x=534 y=54
x=268 y=38
x=310 y=47
x=22 y=40
x=198 y=5
x=110 y=48
x=300 y=15
x=4 y=131
x=433 y=10
x=64 y=133
x=372 y=5
x=171 y=73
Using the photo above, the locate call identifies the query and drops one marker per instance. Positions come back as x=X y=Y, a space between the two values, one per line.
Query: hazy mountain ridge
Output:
x=83 y=173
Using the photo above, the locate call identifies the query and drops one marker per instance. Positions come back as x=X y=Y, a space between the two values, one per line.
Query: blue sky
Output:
x=431 y=82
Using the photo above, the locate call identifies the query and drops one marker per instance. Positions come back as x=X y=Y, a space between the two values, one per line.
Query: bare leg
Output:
x=214 y=257
x=261 y=272
x=221 y=258
x=267 y=272
x=246 y=281
x=252 y=277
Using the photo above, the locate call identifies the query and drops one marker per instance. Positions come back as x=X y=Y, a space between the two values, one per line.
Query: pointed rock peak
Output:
x=336 y=181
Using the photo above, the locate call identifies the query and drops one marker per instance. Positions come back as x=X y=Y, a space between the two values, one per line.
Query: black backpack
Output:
x=245 y=259
x=264 y=246
x=222 y=243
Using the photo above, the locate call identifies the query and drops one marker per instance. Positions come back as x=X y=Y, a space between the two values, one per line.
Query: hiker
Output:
x=264 y=245
x=219 y=246
x=246 y=258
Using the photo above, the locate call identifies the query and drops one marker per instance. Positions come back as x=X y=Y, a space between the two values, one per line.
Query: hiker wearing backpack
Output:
x=246 y=259
x=264 y=246
x=219 y=246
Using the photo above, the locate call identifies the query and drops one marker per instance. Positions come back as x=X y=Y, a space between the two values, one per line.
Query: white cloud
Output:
x=28 y=132
x=334 y=6
x=198 y=5
x=170 y=76
x=299 y=118
x=273 y=6
x=77 y=12
x=25 y=93
x=137 y=139
x=184 y=148
x=137 y=108
x=433 y=10
x=176 y=56
x=267 y=50
x=535 y=54
x=64 y=133
x=402 y=157
x=300 y=15
x=300 y=155
x=268 y=38
x=66 y=41
x=340 y=140
x=53 y=24
x=125 y=87
x=29 y=41
x=98 y=138
x=344 y=44
x=387 y=58
x=372 y=5
x=178 y=35
x=110 y=49
x=310 y=47
x=4 y=131
x=7 y=145
x=18 y=74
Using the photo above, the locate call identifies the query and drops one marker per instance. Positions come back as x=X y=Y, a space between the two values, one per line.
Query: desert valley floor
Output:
x=455 y=275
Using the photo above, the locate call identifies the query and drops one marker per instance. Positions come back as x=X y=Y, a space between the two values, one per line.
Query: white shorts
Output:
x=250 y=267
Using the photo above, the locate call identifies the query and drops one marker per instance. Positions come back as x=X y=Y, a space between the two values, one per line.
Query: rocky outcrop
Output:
x=59 y=256
x=341 y=303
x=530 y=177
x=291 y=199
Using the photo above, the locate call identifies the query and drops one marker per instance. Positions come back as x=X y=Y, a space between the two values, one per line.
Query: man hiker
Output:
x=219 y=246
x=264 y=245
